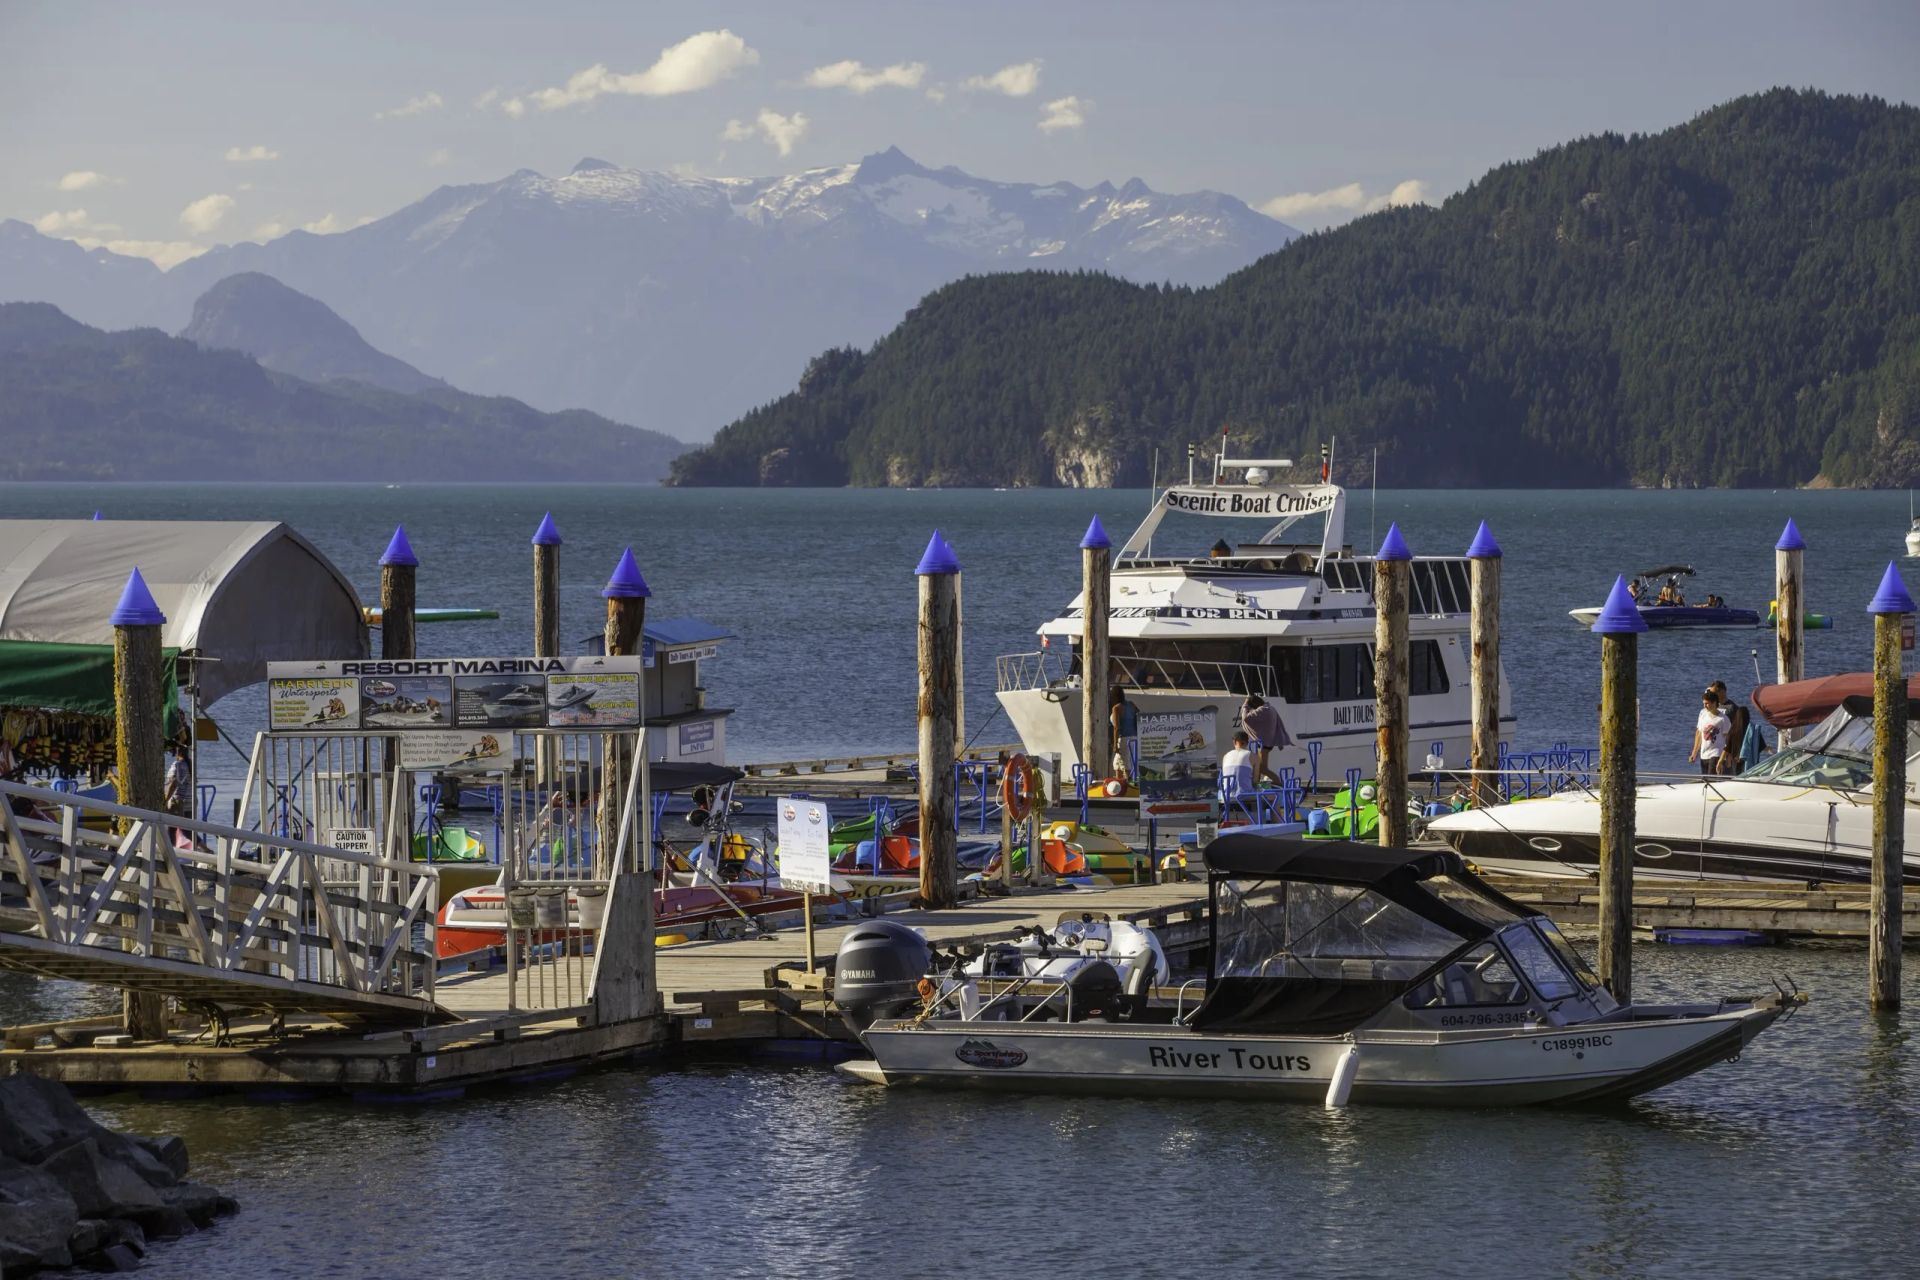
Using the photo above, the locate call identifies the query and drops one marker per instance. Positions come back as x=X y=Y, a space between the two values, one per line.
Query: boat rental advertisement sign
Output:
x=1178 y=755
x=468 y=694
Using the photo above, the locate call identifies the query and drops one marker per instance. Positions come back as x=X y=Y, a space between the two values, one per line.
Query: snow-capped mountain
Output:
x=670 y=301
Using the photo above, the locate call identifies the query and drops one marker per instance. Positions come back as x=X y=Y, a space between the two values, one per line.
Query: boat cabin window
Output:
x=1436 y=586
x=1564 y=950
x=1536 y=959
x=1344 y=672
x=1481 y=977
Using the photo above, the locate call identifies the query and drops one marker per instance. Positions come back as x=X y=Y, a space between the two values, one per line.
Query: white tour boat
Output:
x=1289 y=619
x=1340 y=973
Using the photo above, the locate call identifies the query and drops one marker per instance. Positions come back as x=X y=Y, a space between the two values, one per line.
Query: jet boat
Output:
x=1340 y=973
x=1675 y=617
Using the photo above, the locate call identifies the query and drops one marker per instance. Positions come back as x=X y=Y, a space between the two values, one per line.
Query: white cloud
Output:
x=428 y=101
x=84 y=180
x=52 y=224
x=697 y=62
x=162 y=253
x=267 y=231
x=857 y=77
x=782 y=132
x=937 y=93
x=1064 y=113
x=486 y=99
x=204 y=214
x=514 y=107
x=325 y=226
x=438 y=158
x=247 y=155
x=1016 y=81
x=1351 y=198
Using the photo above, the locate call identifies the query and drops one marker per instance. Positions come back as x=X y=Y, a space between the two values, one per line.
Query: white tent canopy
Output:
x=239 y=593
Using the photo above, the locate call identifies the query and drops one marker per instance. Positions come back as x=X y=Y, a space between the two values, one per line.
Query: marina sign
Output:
x=446 y=694
x=805 y=856
x=1263 y=504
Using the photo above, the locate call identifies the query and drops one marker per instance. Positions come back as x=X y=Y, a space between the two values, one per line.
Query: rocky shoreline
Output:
x=75 y=1193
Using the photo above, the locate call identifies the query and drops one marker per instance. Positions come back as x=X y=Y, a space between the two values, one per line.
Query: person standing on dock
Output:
x=1709 y=734
x=1270 y=734
x=1126 y=727
x=177 y=794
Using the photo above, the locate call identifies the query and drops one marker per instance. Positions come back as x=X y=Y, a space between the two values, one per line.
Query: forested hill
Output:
x=1735 y=301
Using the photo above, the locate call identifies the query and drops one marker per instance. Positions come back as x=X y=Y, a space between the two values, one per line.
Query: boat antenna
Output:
x=1373 y=501
x=1756 y=666
x=1190 y=452
x=1153 y=496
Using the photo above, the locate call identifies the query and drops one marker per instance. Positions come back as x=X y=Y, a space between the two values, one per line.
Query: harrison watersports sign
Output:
x=1259 y=504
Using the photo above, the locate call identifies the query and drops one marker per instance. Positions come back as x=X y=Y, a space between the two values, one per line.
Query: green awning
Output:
x=73 y=677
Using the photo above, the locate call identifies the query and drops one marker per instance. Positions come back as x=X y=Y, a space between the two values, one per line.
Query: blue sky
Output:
x=164 y=129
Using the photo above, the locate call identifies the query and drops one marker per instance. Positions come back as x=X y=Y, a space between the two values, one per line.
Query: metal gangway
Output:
x=211 y=914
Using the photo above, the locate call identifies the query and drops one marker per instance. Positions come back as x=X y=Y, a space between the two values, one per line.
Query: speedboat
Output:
x=1913 y=538
x=1281 y=608
x=1674 y=617
x=1340 y=973
x=1803 y=814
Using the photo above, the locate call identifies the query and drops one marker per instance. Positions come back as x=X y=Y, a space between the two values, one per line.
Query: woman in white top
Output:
x=1709 y=734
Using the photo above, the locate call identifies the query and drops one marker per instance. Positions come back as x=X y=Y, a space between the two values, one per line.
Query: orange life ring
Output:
x=1017 y=786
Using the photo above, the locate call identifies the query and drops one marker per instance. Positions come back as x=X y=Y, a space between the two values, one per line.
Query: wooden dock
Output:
x=1783 y=910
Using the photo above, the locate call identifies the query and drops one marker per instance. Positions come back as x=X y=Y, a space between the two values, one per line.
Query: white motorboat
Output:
x=1289 y=619
x=1913 y=538
x=1340 y=972
x=1803 y=814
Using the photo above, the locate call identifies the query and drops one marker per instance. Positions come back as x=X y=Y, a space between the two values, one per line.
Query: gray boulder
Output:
x=37 y=1217
x=38 y=1117
x=102 y=1242
x=169 y=1151
x=101 y=1183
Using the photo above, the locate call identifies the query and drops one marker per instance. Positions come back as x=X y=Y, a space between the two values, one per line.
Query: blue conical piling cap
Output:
x=626 y=582
x=96 y=515
x=1483 y=547
x=548 y=534
x=1619 y=616
x=1393 y=546
x=136 y=607
x=1892 y=596
x=1790 y=539
x=938 y=558
x=1096 y=539
x=399 y=551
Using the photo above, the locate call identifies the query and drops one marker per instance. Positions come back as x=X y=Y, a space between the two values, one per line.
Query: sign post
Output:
x=805 y=859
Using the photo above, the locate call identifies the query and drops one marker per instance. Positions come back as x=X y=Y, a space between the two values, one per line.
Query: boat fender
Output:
x=1341 y=1086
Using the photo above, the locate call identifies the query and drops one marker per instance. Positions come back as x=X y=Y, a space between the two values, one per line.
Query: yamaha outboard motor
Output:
x=878 y=972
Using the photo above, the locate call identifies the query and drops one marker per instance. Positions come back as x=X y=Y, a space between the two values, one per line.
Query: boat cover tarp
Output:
x=1257 y=857
x=1804 y=702
x=237 y=594
x=686 y=775
x=73 y=677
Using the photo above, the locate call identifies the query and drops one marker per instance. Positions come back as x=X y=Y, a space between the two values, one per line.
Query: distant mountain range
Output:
x=77 y=403
x=673 y=302
x=1733 y=301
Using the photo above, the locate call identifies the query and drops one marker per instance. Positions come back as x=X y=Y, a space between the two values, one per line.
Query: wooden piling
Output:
x=1096 y=584
x=1890 y=606
x=1790 y=605
x=1392 y=566
x=1619 y=627
x=546 y=589
x=626 y=595
x=139 y=746
x=397 y=568
x=938 y=572
x=1485 y=557
x=546 y=628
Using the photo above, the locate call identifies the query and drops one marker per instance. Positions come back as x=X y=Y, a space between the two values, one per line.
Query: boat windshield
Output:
x=1838 y=752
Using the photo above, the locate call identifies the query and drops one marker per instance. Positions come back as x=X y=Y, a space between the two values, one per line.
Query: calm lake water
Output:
x=1803 y=1158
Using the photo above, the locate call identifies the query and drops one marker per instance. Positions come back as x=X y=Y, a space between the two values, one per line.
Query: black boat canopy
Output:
x=1315 y=936
x=686 y=775
x=1257 y=857
x=1666 y=571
